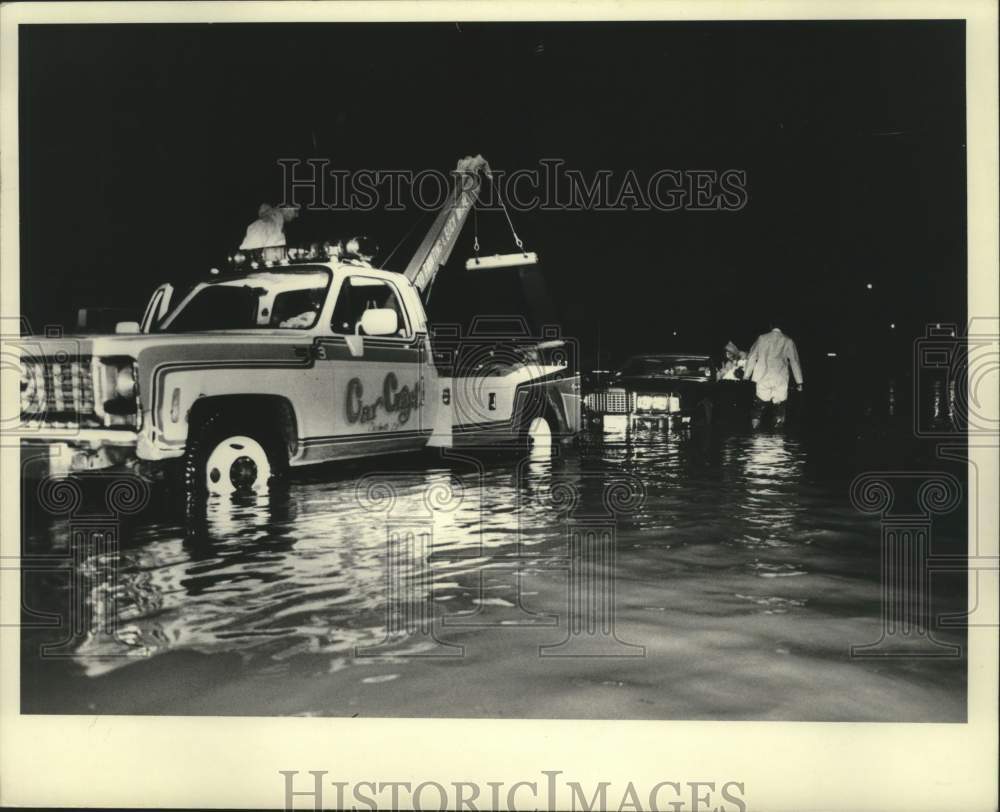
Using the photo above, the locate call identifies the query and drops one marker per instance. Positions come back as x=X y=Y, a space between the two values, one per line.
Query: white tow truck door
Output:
x=382 y=390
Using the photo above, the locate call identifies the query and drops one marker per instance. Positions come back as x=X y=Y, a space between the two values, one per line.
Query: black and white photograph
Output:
x=495 y=369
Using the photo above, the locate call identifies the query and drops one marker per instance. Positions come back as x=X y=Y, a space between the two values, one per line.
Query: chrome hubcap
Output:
x=237 y=464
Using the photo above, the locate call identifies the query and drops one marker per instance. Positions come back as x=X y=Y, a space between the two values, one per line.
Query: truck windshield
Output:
x=263 y=301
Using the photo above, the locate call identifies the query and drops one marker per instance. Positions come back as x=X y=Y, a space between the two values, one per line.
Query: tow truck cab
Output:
x=288 y=363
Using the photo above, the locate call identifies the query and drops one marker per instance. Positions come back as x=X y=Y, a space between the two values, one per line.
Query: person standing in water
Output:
x=768 y=363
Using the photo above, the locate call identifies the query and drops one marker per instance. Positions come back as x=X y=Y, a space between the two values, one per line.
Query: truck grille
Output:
x=610 y=401
x=58 y=391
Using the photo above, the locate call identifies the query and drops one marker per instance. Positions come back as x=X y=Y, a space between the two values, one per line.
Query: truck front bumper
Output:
x=86 y=450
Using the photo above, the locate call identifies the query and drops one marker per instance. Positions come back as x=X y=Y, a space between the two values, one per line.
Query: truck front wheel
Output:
x=226 y=458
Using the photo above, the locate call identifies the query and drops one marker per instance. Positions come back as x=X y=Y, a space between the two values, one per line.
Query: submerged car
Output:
x=660 y=389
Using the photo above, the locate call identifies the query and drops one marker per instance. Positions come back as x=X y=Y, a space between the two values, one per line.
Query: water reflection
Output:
x=772 y=476
x=346 y=561
x=317 y=569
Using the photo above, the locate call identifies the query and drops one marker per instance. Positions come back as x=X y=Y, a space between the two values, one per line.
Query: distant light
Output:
x=675 y=332
x=214 y=271
x=869 y=286
x=831 y=355
x=892 y=326
x=937 y=326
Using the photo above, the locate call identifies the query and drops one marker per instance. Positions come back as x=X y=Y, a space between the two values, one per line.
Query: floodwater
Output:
x=702 y=574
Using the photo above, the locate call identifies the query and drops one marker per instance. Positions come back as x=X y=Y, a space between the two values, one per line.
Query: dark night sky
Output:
x=145 y=151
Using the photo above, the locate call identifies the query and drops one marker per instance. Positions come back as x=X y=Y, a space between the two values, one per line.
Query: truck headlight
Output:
x=119 y=390
x=125 y=383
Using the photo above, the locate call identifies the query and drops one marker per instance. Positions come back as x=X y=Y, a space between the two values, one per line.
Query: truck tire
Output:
x=227 y=454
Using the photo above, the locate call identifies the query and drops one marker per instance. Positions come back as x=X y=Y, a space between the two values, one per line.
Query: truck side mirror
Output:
x=381 y=321
x=127 y=327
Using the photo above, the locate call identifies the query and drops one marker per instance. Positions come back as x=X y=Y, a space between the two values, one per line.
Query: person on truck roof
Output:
x=268 y=230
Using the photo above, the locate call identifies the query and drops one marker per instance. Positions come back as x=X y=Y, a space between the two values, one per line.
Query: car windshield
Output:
x=664 y=364
x=264 y=301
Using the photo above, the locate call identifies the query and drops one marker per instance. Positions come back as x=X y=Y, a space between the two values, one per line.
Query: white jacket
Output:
x=769 y=358
x=266 y=231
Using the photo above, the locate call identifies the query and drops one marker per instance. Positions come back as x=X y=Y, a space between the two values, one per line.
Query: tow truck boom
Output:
x=437 y=245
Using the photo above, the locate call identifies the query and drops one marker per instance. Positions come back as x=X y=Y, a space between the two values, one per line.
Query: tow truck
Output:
x=297 y=356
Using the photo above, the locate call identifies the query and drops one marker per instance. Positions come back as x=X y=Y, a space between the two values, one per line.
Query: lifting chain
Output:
x=517 y=240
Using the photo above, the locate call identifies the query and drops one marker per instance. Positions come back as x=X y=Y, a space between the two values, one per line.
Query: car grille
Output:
x=610 y=401
x=58 y=392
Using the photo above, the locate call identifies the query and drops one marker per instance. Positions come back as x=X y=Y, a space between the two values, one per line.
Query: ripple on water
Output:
x=302 y=576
